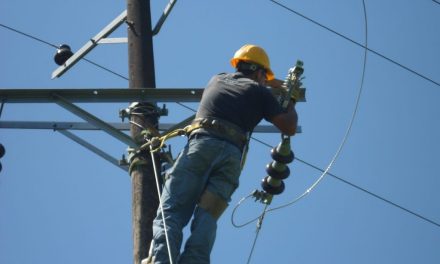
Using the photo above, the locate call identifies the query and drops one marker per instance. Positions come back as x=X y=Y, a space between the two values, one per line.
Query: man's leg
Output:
x=222 y=182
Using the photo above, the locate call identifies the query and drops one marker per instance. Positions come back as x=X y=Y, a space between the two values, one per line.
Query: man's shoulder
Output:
x=236 y=78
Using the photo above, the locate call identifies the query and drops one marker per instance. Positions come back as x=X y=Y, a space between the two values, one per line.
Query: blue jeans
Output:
x=206 y=163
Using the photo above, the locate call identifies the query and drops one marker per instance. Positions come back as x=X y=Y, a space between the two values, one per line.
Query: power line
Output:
x=29 y=36
x=356 y=43
x=106 y=69
x=259 y=141
x=359 y=188
x=55 y=46
x=402 y=66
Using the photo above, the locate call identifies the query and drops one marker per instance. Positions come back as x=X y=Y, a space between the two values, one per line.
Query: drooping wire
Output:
x=350 y=125
x=256 y=139
x=265 y=210
x=259 y=224
x=344 y=139
x=235 y=209
x=348 y=183
x=356 y=43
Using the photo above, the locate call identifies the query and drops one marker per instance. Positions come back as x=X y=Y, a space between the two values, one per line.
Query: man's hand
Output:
x=297 y=95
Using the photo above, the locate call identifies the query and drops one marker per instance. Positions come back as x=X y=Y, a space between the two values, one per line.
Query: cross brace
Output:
x=115 y=95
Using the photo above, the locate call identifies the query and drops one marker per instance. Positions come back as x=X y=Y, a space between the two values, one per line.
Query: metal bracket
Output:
x=95 y=121
x=92 y=43
x=113 y=41
x=157 y=111
x=164 y=16
x=100 y=38
x=94 y=149
x=84 y=126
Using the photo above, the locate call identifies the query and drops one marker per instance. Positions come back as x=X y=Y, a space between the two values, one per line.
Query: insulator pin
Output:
x=63 y=54
x=272 y=186
x=277 y=170
x=283 y=153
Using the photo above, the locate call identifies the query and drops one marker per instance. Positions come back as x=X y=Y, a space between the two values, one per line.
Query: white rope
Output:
x=161 y=206
x=259 y=224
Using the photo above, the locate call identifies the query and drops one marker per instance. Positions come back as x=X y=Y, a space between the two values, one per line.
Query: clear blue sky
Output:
x=60 y=203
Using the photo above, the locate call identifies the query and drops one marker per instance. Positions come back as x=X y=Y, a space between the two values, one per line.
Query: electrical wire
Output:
x=259 y=224
x=105 y=69
x=256 y=139
x=235 y=209
x=356 y=43
x=354 y=186
x=85 y=59
x=344 y=140
x=55 y=46
x=350 y=125
x=326 y=172
x=29 y=36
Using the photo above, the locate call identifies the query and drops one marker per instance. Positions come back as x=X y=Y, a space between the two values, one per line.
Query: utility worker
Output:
x=206 y=172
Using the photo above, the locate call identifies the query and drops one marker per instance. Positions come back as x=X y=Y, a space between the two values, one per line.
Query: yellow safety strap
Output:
x=158 y=142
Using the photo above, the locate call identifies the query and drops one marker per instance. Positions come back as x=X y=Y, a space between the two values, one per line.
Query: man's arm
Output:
x=288 y=121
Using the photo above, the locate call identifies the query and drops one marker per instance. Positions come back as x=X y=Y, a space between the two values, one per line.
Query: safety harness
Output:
x=219 y=128
x=208 y=126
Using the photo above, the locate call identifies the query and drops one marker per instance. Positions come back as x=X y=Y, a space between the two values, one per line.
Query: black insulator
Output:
x=2 y=153
x=277 y=170
x=2 y=150
x=274 y=190
x=63 y=54
x=283 y=158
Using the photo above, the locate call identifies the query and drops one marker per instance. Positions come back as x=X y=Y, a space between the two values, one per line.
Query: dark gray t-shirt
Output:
x=239 y=100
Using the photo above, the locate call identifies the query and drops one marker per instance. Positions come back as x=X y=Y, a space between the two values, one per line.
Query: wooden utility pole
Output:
x=141 y=75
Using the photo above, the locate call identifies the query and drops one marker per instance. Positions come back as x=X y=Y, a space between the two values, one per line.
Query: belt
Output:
x=220 y=129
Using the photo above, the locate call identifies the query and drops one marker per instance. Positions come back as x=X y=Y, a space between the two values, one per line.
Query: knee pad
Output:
x=213 y=204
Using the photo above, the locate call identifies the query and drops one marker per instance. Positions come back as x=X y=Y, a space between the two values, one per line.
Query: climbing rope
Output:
x=156 y=176
x=155 y=144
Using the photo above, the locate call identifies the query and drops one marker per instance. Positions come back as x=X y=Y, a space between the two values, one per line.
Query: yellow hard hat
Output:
x=255 y=54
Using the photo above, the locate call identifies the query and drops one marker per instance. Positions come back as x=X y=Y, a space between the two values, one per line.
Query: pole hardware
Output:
x=2 y=153
x=151 y=110
x=277 y=170
x=63 y=54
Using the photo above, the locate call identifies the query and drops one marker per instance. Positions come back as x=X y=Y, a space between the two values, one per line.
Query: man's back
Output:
x=239 y=100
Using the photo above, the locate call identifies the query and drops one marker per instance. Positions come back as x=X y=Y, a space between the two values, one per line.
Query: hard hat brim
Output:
x=269 y=72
